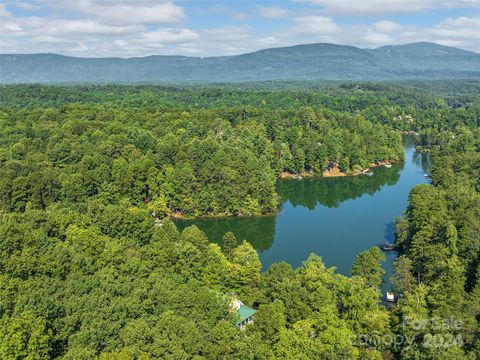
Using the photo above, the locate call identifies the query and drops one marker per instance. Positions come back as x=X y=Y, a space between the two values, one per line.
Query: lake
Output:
x=335 y=218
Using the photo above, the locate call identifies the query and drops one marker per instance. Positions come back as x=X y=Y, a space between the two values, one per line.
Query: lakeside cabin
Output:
x=244 y=313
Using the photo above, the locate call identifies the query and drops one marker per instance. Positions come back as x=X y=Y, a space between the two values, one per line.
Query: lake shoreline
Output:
x=285 y=176
x=335 y=219
x=334 y=172
x=178 y=217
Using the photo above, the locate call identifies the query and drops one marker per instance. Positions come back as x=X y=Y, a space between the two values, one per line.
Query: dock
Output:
x=386 y=246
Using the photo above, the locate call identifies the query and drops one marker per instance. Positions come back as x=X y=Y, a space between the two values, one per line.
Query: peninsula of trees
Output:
x=176 y=160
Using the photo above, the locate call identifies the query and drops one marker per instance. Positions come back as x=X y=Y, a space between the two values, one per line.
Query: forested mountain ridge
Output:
x=300 y=62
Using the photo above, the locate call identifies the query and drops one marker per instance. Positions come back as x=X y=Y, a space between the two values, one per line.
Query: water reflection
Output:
x=331 y=192
x=309 y=193
x=258 y=231
x=336 y=217
x=422 y=160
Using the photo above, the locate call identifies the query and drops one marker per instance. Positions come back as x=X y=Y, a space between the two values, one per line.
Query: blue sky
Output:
x=99 y=28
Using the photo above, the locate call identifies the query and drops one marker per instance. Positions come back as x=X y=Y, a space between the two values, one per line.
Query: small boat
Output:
x=390 y=296
x=385 y=246
x=388 y=165
x=369 y=173
x=427 y=176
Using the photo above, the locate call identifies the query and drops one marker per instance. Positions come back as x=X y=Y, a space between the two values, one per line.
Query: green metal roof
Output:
x=244 y=312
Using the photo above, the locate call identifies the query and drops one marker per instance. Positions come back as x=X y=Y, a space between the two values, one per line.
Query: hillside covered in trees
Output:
x=301 y=62
x=86 y=274
x=177 y=161
x=438 y=273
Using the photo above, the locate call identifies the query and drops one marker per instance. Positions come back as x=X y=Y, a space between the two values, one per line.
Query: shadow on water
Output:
x=309 y=193
x=422 y=160
x=390 y=232
x=389 y=256
x=331 y=192
x=258 y=231
x=335 y=218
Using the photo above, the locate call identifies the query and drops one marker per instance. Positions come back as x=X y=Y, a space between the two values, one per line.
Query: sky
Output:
x=120 y=28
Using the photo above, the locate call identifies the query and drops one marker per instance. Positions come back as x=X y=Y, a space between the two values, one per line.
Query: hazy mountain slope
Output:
x=315 y=61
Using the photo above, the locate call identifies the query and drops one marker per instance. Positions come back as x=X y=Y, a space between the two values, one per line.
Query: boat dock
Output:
x=386 y=246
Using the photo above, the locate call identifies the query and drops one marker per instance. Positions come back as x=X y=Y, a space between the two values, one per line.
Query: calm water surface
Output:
x=335 y=218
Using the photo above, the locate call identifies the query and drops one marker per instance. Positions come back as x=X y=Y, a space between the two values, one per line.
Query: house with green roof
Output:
x=244 y=313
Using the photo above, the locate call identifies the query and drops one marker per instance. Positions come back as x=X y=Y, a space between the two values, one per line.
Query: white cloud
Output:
x=227 y=34
x=386 y=26
x=459 y=3
x=380 y=7
x=458 y=28
x=313 y=25
x=60 y=27
x=169 y=36
x=121 y=43
x=123 y=12
x=35 y=26
x=272 y=12
x=48 y=39
x=11 y=28
x=72 y=28
x=373 y=38
x=460 y=32
x=268 y=41
x=359 y=7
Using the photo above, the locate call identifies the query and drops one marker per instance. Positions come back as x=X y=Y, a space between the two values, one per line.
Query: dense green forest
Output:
x=439 y=271
x=177 y=161
x=86 y=273
x=438 y=105
x=106 y=281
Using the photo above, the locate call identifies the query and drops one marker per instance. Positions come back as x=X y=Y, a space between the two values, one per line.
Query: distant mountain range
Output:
x=300 y=62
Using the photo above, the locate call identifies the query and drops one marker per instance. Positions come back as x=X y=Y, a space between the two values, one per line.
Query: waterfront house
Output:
x=244 y=313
